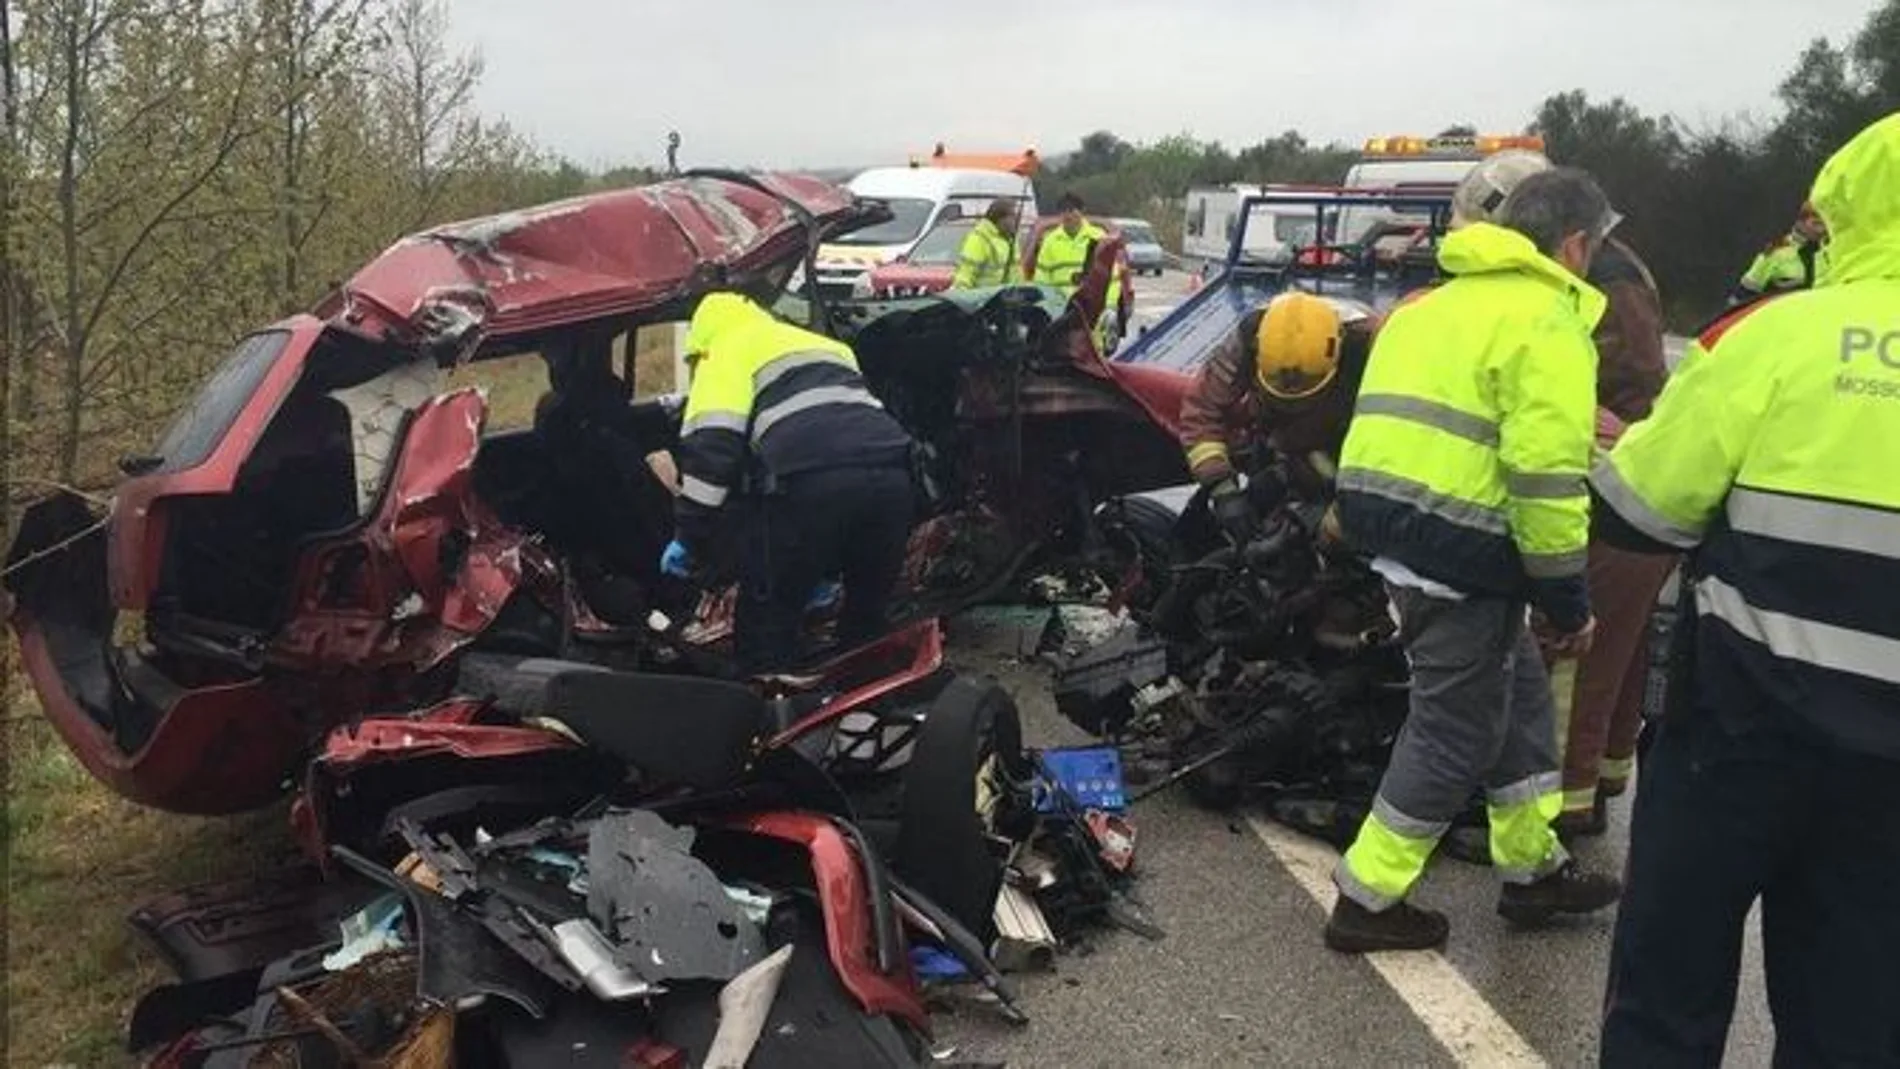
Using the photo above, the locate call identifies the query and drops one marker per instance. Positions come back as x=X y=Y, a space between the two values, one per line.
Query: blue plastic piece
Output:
x=1091 y=777
x=935 y=963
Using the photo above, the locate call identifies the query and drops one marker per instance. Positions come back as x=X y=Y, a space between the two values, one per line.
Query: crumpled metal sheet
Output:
x=668 y=916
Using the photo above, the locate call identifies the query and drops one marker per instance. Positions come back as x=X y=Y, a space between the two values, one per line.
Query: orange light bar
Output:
x=1025 y=164
x=1484 y=145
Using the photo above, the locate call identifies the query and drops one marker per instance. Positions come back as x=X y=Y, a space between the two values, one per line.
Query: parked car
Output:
x=929 y=267
x=1145 y=254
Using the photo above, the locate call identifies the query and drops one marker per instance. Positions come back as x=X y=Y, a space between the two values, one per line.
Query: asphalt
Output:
x=1241 y=978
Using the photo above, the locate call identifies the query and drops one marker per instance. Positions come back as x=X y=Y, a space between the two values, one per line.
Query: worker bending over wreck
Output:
x=1463 y=477
x=1286 y=382
x=781 y=435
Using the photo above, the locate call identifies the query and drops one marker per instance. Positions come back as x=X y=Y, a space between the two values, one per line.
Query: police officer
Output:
x=987 y=256
x=780 y=430
x=1287 y=380
x=1776 y=773
x=1463 y=477
x=1788 y=264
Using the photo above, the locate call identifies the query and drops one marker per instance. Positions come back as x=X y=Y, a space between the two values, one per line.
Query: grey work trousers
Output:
x=1481 y=716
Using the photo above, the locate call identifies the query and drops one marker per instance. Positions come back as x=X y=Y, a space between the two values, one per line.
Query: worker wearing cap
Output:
x=780 y=434
x=1788 y=264
x=987 y=256
x=1775 y=775
x=1599 y=697
x=1463 y=479
x=1287 y=380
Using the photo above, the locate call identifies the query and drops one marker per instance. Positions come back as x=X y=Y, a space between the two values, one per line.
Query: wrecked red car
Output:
x=326 y=529
x=328 y=577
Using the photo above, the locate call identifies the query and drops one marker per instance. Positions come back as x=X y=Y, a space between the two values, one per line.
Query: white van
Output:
x=919 y=198
x=1273 y=231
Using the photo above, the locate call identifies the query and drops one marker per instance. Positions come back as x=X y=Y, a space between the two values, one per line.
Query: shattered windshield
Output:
x=942 y=244
x=908 y=215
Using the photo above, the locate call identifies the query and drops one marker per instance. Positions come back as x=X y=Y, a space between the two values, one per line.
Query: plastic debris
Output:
x=588 y=953
x=374 y=929
x=744 y=1004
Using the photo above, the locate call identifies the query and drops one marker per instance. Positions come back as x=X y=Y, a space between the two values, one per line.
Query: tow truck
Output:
x=1392 y=251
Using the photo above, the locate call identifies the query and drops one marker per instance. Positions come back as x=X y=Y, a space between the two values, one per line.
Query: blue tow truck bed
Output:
x=1367 y=269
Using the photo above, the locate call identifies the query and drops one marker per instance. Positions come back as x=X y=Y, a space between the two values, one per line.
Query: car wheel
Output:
x=967 y=780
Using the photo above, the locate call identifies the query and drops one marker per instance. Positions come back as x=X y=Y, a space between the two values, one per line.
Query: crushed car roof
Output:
x=614 y=253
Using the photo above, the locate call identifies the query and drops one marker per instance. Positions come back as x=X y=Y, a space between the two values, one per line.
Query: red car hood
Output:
x=912 y=278
x=611 y=253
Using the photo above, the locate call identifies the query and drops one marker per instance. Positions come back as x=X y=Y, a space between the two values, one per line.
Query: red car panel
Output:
x=844 y=896
x=425 y=574
x=607 y=254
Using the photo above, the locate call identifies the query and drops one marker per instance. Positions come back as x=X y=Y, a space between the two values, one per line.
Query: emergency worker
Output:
x=1788 y=263
x=1286 y=381
x=1062 y=258
x=1775 y=774
x=1599 y=697
x=1463 y=478
x=1063 y=254
x=987 y=256
x=780 y=433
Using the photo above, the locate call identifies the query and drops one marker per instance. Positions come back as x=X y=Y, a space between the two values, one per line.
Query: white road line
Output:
x=1431 y=987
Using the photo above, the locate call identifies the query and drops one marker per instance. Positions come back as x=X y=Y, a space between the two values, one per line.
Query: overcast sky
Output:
x=849 y=82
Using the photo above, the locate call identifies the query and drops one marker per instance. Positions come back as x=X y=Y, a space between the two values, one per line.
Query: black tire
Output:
x=943 y=847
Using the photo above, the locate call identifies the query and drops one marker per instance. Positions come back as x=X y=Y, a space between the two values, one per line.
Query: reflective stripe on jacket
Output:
x=985 y=258
x=771 y=400
x=1474 y=425
x=1773 y=451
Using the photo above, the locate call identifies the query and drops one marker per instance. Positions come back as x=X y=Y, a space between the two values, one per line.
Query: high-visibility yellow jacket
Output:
x=1062 y=257
x=769 y=400
x=1788 y=264
x=1773 y=449
x=986 y=258
x=1471 y=437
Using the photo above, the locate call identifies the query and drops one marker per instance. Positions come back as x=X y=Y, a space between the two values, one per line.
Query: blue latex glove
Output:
x=825 y=595
x=676 y=561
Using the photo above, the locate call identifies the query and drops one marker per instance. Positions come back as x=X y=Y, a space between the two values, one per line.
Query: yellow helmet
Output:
x=1296 y=347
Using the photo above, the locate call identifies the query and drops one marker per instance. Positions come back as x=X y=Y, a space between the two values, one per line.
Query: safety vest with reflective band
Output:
x=1786 y=265
x=1062 y=257
x=1772 y=450
x=1471 y=437
x=986 y=258
x=767 y=401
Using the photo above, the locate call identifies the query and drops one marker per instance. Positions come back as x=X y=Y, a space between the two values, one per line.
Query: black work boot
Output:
x=1571 y=889
x=1574 y=824
x=1354 y=929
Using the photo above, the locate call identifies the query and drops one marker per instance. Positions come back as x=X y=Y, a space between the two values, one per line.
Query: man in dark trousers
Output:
x=781 y=432
x=1775 y=775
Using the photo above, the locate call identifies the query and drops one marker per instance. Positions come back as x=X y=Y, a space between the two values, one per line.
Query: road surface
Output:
x=1242 y=979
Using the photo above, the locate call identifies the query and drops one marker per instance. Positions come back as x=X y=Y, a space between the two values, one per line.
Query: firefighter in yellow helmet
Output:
x=1285 y=381
x=1775 y=775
